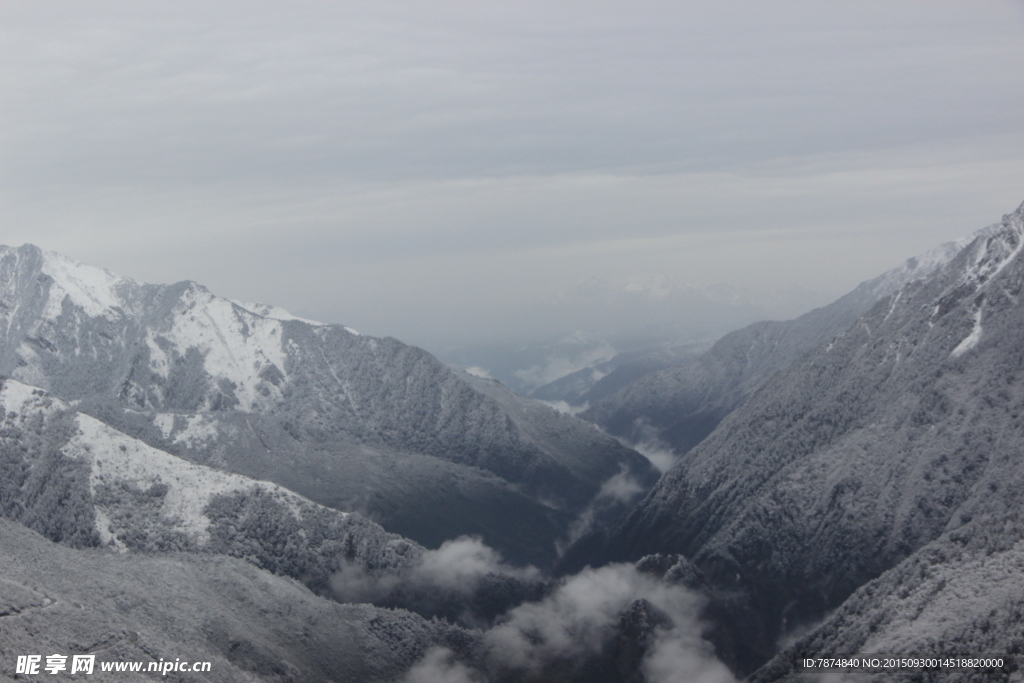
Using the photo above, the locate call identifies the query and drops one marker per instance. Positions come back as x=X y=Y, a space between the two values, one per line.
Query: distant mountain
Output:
x=589 y=325
x=681 y=403
x=875 y=483
x=350 y=421
x=633 y=311
x=593 y=383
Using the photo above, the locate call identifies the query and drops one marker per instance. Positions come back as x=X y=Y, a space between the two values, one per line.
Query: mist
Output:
x=586 y=621
x=534 y=627
x=464 y=581
x=659 y=453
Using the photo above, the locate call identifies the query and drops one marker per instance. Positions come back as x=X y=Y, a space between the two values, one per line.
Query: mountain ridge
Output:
x=280 y=397
x=892 y=445
x=681 y=404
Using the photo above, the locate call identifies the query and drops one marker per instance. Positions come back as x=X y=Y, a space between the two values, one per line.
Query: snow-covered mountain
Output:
x=678 y=399
x=83 y=483
x=350 y=421
x=250 y=625
x=121 y=550
x=875 y=483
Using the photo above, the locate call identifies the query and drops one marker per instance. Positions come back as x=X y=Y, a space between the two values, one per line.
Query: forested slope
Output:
x=889 y=454
x=351 y=421
x=682 y=404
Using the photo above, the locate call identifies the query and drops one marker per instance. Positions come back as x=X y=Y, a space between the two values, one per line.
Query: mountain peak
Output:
x=994 y=247
x=255 y=387
x=94 y=290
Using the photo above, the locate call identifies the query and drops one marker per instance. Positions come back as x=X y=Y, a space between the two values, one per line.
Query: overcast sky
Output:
x=431 y=170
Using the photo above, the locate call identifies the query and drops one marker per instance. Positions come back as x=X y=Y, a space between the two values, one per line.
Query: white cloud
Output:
x=564 y=407
x=574 y=621
x=618 y=490
x=454 y=569
x=659 y=453
x=578 y=619
x=459 y=562
x=439 y=665
x=622 y=487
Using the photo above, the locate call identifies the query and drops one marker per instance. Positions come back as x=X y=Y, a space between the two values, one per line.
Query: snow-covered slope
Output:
x=251 y=388
x=80 y=481
x=896 y=442
x=680 y=401
x=79 y=330
x=954 y=597
x=197 y=607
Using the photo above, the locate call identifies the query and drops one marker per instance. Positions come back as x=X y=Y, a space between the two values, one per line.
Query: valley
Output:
x=846 y=481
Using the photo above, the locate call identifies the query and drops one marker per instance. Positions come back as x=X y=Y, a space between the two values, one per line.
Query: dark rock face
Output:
x=885 y=457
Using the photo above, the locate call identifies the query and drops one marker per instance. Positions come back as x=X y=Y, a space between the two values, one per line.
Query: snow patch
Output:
x=103 y=528
x=971 y=340
x=29 y=370
x=236 y=343
x=994 y=249
x=22 y=398
x=892 y=304
x=114 y=457
x=159 y=363
x=198 y=430
x=117 y=457
x=923 y=265
x=165 y=423
x=91 y=288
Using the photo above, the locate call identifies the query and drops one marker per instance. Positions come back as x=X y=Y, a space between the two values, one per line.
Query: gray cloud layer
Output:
x=431 y=170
